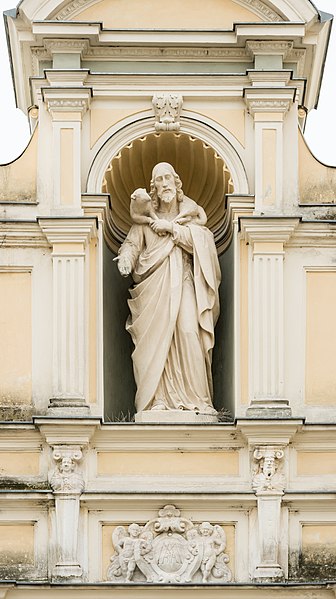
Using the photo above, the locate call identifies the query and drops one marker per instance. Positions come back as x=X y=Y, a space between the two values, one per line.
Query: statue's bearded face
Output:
x=165 y=185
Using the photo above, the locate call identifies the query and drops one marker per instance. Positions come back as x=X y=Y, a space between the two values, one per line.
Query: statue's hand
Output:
x=124 y=265
x=162 y=226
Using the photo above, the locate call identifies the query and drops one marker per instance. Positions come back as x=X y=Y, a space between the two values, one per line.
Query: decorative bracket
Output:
x=167 y=109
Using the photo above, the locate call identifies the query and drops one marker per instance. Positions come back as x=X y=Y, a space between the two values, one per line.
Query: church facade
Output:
x=95 y=501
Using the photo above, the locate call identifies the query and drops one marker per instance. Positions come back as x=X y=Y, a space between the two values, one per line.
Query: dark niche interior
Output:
x=206 y=179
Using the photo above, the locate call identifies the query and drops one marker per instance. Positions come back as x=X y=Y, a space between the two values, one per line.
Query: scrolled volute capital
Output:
x=67 y=477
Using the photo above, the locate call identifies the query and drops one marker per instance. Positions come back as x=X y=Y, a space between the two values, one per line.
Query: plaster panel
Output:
x=269 y=166
x=319 y=534
x=16 y=544
x=320 y=338
x=14 y=463
x=310 y=463
x=190 y=14
x=168 y=463
x=16 y=337
x=67 y=166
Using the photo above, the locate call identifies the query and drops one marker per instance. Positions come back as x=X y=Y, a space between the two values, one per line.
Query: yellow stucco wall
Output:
x=319 y=535
x=189 y=14
x=320 y=338
x=18 y=178
x=316 y=463
x=221 y=463
x=317 y=182
x=15 y=463
x=16 y=337
x=17 y=544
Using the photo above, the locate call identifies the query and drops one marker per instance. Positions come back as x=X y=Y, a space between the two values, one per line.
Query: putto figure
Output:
x=174 y=304
x=169 y=549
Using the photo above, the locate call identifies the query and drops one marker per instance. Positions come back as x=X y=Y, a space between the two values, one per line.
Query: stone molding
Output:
x=67 y=99
x=169 y=549
x=269 y=47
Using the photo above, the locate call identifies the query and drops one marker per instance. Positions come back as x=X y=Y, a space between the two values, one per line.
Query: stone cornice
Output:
x=21 y=234
x=65 y=431
x=269 y=47
x=274 y=432
x=68 y=230
x=268 y=229
x=67 y=99
x=269 y=99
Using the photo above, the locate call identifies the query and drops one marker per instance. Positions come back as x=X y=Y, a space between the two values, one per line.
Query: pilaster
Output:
x=268 y=107
x=266 y=315
x=67 y=441
x=69 y=238
x=67 y=105
x=268 y=482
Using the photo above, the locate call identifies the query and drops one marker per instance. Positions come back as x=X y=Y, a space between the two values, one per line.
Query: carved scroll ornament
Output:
x=169 y=549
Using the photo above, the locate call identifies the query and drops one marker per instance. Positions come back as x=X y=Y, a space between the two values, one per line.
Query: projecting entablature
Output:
x=107 y=37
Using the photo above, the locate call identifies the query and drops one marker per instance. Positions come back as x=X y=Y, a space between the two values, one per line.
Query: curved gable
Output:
x=132 y=14
x=211 y=14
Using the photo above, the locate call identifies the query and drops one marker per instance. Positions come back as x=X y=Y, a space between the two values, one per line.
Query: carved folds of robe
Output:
x=174 y=307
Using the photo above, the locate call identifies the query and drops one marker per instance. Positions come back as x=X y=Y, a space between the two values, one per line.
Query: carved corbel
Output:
x=167 y=110
x=266 y=474
x=67 y=483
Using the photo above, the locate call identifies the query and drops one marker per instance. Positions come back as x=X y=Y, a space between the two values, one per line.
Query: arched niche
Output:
x=206 y=178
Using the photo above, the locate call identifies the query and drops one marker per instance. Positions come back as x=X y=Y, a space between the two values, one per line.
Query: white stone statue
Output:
x=174 y=303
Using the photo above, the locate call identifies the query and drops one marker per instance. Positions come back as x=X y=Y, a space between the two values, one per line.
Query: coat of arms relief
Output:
x=169 y=549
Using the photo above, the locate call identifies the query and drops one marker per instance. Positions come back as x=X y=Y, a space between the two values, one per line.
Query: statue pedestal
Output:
x=174 y=416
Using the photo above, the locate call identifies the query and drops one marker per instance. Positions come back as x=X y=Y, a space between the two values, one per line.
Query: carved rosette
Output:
x=266 y=472
x=167 y=110
x=169 y=549
x=67 y=478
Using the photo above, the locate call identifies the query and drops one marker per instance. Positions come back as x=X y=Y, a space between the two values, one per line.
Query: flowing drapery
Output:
x=174 y=307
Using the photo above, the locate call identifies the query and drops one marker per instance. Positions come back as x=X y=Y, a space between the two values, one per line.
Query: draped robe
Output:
x=174 y=307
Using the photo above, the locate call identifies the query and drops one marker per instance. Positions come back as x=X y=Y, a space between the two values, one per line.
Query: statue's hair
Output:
x=153 y=191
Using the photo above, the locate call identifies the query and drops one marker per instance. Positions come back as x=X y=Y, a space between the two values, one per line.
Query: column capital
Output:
x=61 y=101
x=256 y=229
x=269 y=100
x=68 y=230
x=269 y=48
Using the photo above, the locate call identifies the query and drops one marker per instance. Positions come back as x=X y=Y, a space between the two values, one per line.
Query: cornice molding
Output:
x=269 y=47
x=269 y=99
x=268 y=229
x=68 y=230
x=21 y=234
x=67 y=99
